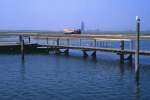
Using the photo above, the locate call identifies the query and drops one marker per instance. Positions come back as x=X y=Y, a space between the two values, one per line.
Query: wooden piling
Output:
x=66 y=52
x=85 y=54
x=22 y=46
x=94 y=54
x=121 y=53
x=137 y=68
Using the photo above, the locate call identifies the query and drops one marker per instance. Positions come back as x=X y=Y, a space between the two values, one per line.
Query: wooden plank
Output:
x=82 y=36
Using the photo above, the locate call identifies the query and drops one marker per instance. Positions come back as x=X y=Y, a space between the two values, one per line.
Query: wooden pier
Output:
x=24 y=43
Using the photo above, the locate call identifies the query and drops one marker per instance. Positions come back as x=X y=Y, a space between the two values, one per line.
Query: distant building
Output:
x=82 y=26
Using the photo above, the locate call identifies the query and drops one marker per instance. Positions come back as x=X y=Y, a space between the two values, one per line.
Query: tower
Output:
x=82 y=26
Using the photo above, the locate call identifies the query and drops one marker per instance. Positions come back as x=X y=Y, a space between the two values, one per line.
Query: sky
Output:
x=105 y=15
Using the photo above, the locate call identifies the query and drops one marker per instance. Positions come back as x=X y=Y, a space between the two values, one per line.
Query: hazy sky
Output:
x=58 y=14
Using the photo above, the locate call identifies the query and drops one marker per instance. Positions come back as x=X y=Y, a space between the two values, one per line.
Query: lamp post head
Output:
x=137 y=18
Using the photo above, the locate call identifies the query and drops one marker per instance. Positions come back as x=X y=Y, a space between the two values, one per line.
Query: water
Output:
x=51 y=77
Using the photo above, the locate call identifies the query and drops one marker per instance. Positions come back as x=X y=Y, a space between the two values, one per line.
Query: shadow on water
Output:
x=127 y=65
x=122 y=69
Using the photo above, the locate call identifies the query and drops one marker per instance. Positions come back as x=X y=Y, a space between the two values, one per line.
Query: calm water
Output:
x=51 y=77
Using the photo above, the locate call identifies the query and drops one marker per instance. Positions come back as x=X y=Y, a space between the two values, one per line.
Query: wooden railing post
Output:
x=122 y=53
x=29 y=39
x=22 y=46
x=95 y=43
x=20 y=39
x=47 y=41
x=57 y=42
x=80 y=42
x=68 y=42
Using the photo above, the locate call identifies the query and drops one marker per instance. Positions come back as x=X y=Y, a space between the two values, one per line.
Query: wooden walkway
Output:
x=78 y=36
x=24 y=42
x=85 y=48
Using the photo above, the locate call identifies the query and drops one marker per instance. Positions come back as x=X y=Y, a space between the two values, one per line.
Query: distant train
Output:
x=72 y=31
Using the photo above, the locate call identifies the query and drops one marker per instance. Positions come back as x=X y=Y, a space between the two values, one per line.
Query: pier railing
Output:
x=115 y=43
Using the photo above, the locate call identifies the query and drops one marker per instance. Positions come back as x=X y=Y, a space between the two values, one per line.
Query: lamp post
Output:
x=137 y=71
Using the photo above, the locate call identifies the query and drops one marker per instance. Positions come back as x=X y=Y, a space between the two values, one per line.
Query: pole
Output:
x=137 y=71
x=122 y=53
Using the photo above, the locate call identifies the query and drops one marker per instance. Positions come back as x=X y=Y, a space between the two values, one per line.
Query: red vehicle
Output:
x=72 y=31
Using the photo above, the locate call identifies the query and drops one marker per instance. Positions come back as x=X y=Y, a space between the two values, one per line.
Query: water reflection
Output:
x=122 y=70
x=137 y=90
x=23 y=69
x=100 y=71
